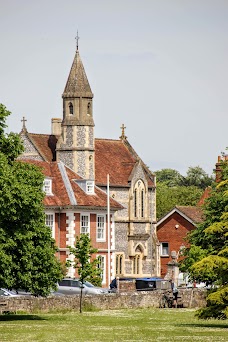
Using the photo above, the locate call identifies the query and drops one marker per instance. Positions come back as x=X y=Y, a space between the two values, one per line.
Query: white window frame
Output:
x=163 y=248
x=90 y=187
x=47 y=186
x=84 y=229
x=101 y=230
x=103 y=267
x=50 y=222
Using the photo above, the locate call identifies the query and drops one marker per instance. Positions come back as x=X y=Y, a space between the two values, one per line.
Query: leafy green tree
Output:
x=10 y=144
x=27 y=250
x=85 y=263
x=196 y=176
x=169 y=177
x=169 y=197
x=207 y=257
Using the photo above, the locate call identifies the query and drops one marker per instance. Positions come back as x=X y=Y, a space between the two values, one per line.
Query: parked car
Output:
x=8 y=293
x=69 y=286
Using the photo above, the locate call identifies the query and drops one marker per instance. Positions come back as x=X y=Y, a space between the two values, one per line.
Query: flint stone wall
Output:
x=190 y=298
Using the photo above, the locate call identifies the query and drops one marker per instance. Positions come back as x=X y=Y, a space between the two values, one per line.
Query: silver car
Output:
x=69 y=286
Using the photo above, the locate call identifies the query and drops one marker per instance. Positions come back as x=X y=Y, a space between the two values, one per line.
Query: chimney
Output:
x=56 y=128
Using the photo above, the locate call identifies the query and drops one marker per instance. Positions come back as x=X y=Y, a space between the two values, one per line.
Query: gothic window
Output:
x=139 y=199
x=137 y=260
x=142 y=203
x=119 y=264
x=136 y=264
x=135 y=203
x=71 y=108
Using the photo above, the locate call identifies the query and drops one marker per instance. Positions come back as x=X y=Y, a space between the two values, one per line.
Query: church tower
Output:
x=75 y=147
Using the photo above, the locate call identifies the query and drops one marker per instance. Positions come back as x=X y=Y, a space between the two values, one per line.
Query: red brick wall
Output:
x=166 y=232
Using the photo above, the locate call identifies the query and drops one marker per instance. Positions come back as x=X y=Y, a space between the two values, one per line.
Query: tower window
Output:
x=71 y=108
x=88 y=108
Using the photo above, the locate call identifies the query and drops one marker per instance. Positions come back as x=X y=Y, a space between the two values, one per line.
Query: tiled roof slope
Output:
x=116 y=158
x=205 y=195
x=193 y=212
x=60 y=196
x=45 y=144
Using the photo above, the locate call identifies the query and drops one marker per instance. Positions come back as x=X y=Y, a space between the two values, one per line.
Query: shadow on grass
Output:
x=10 y=317
x=204 y=325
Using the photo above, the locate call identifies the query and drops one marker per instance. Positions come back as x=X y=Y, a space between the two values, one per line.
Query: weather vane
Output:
x=77 y=38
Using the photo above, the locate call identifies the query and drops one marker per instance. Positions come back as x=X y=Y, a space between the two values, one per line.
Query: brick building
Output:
x=172 y=230
x=87 y=161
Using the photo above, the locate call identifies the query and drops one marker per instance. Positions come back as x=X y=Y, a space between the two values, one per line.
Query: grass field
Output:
x=114 y=325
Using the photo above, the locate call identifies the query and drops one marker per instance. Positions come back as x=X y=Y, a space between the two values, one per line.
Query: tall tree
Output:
x=27 y=250
x=207 y=258
x=169 y=177
x=169 y=197
x=198 y=177
x=85 y=262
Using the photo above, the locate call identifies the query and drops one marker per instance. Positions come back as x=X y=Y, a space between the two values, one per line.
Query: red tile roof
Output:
x=45 y=144
x=60 y=195
x=114 y=157
x=193 y=212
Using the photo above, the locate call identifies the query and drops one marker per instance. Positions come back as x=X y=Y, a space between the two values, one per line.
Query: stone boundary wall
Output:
x=190 y=298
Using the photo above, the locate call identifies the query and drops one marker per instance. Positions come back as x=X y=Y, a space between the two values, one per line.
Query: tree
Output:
x=207 y=257
x=170 y=177
x=85 y=262
x=27 y=250
x=169 y=197
x=198 y=177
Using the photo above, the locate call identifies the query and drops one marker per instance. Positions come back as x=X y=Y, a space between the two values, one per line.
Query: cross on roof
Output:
x=23 y=125
x=123 y=136
x=77 y=39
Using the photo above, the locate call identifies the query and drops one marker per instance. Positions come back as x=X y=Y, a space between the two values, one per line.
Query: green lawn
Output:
x=114 y=325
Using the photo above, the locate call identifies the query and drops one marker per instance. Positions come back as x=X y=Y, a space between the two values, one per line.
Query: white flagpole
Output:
x=108 y=214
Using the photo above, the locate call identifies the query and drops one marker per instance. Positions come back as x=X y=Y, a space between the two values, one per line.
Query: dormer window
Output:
x=71 y=108
x=47 y=187
x=86 y=185
x=89 y=187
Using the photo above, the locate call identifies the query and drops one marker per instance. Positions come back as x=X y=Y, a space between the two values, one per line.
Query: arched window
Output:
x=119 y=264
x=139 y=199
x=135 y=203
x=137 y=260
x=136 y=264
x=71 y=108
x=142 y=203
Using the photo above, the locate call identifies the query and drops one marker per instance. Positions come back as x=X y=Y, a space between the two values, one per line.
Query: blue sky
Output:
x=158 y=66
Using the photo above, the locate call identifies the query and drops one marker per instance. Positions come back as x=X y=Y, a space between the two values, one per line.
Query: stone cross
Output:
x=123 y=136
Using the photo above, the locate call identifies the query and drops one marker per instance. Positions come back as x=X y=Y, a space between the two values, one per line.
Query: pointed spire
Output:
x=77 y=84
